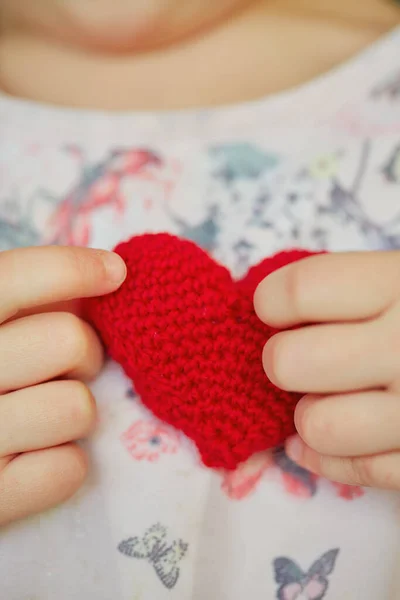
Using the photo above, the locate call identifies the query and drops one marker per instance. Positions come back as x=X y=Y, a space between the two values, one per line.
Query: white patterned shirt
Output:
x=316 y=167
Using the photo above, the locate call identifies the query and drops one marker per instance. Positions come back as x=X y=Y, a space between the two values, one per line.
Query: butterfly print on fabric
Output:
x=163 y=555
x=296 y=584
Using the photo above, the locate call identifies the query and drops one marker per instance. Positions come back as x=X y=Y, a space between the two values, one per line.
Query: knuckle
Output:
x=83 y=406
x=72 y=332
x=360 y=471
x=57 y=478
x=6 y=258
x=10 y=260
x=379 y=471
x=390 y=479
x=391 y=336
x=75 y=468
x=9 y=272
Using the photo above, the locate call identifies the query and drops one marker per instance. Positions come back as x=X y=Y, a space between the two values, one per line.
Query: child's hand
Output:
x=45 y=355
x=346 y=358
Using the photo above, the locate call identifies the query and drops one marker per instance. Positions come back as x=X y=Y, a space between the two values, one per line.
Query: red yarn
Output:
x=188 y=337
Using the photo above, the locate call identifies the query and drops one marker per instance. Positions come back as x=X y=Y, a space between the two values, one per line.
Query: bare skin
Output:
x=173 y=54
x=47 y=355
x=346 y=363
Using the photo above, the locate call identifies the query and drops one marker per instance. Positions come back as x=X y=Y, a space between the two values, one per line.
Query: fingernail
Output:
x=115 y=267
x=294 y=448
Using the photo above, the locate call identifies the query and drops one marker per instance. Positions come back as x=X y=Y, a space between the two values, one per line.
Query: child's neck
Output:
x=271 y=46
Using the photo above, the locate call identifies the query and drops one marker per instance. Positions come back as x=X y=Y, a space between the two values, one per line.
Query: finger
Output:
x=44 y=416
x=73 y=306
x=350 y=425
x=329 y=287
x=36 y=481
x=44 y=346
x=331 y=358
x=378 y=471
x=36 y=276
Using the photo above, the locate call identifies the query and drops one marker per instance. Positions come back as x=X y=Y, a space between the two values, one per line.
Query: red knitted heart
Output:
x=188 y=337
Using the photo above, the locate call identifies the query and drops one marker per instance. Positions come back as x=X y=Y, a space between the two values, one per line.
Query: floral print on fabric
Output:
x=148 y=440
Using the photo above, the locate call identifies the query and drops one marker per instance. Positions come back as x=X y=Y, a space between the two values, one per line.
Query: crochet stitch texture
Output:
x=187 y=335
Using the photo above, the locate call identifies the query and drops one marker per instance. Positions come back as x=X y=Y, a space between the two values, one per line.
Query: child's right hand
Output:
x=46 y=353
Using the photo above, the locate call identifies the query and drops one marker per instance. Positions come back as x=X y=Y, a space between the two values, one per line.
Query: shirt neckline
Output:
x=358 y=68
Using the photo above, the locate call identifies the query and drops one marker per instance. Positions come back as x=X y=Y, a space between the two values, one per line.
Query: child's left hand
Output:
x=345 y=358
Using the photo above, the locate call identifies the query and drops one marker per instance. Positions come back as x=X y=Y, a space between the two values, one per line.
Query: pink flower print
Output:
x=98 y=185
x=146 y=166
x=147 y=440
x=348 y=492
x=298 y=487
x=133 y=162
x=104 y=189
x=367 y=121
x=243 y=481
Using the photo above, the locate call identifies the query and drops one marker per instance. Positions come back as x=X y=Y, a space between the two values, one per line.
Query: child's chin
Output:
x=107 y=24
x=112 y=25
x=119 y=26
